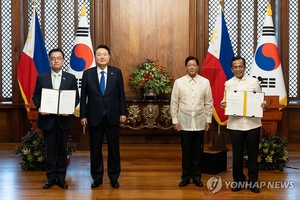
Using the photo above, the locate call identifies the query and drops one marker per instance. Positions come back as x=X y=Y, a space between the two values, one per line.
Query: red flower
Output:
x=147 y=76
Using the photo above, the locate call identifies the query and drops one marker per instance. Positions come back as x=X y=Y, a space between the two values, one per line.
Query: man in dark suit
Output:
x=103 y=110
x=55 y=127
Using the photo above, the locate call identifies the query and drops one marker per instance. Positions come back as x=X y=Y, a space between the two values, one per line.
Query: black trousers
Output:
x=192 y=150
x=96 y=140
x=56 y=152
x=242 y=140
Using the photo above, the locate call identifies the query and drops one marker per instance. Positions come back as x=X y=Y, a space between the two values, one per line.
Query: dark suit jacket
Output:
x=93 y=102
x=68 y=82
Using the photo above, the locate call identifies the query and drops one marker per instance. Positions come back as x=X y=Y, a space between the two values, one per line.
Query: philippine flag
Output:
x=266 y=62
x=217 y=65
x=82 y=56
x=33 y=61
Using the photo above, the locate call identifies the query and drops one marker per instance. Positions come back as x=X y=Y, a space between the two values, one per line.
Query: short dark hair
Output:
x=191 y=58
x=56 y=50
x=102 y=46
x=238 y=57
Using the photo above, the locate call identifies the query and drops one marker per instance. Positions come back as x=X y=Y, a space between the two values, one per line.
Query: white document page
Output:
x=235 y=103
x=49 y=100
x=67 y=102
x=253 y=104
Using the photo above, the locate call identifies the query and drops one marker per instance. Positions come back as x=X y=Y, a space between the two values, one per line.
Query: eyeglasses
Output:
x=56 y=59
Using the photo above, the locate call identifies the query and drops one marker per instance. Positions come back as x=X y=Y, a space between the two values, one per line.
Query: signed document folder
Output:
x=244 y=103
x=58 y=101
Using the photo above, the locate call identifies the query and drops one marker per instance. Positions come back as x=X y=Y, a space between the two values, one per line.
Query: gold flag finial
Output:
x=34 y=3
x=83 y=10
x=269 y=12
x=220 y=3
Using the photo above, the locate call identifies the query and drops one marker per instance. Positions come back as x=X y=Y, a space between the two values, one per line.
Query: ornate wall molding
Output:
x=148 y=114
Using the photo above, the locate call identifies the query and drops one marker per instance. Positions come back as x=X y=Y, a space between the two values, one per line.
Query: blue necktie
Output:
x=102 y=85
x=102 y=82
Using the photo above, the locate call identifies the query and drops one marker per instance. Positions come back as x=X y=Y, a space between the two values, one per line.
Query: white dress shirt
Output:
x=53 y=74
x=191 y=103
x=99 y=74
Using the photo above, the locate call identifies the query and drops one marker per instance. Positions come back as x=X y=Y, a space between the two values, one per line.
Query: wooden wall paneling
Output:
x=13 y=123
x=201 y=33
x=287 y=126
x=294 y=125
x=290 y=125
x=193 y=28
x=5 y=125
x=100 y=15
x=282 y=125
x=149 y=29
x=20 y=124
x=18 y=39
x=283 y=30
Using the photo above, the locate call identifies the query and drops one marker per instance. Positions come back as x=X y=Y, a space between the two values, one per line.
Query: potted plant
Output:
x=151 y=78
x=272 y=153
x=32 y=151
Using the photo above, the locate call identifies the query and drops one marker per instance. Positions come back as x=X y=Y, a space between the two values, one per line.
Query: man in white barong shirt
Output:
x=191 y=111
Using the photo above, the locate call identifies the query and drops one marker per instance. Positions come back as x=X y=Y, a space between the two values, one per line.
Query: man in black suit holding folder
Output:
x=244 y=131
x=55 y=127
x=103 y=108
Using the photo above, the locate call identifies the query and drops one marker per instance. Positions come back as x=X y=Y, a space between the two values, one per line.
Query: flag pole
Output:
x=83 y=46
x=218 y=143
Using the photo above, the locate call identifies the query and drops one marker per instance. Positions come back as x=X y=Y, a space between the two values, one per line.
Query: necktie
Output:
x=102 y=85
x=102 y=82
x=56 y=81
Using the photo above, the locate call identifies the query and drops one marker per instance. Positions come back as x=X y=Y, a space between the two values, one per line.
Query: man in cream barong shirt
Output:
x=191 y=111
x=244 y=131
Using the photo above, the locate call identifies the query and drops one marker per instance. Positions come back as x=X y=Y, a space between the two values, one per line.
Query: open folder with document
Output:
x=58 y=101
x=244 y=103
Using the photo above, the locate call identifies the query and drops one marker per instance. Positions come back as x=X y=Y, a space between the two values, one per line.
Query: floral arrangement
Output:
x=33 y=150
x=272 y=153
x=151 y=75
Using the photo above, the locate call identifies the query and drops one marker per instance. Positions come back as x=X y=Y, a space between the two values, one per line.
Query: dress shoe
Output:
x=255 y=189
x=237 y=186
x=96 y=183
x=236 y=189
x=184 y=183
x=49 y=183
x=114 y=184
x=62 y=184
x=197 y=182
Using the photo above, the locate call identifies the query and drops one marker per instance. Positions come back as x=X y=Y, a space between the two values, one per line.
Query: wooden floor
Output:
x=149 y=171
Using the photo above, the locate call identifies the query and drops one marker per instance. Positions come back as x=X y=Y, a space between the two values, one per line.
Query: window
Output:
x=6 y=51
